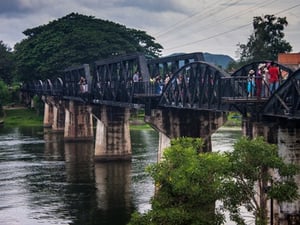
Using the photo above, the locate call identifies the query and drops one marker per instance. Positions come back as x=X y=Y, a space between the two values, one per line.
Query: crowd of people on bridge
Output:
x=155 y=85
x=264 y=81
x=160 y=82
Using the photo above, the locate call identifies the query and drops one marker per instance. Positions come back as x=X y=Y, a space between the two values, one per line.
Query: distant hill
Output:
x=218 y=60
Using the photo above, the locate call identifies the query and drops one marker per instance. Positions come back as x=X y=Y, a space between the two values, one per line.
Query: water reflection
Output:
x=54 y=145
x=80 y=189
x=79 y=162
x=144 y=150
x=113 y=185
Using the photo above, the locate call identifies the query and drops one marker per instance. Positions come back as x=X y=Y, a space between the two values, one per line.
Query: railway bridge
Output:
x=181 y=95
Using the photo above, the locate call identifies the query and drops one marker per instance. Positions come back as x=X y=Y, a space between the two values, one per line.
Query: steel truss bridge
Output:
x=194 y=84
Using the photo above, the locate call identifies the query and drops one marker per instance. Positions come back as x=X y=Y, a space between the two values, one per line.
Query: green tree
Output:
x=252 y=179
x=188 y=184
x=6 y=63
x=4 y=92
x=267 y=40
x=74 y=40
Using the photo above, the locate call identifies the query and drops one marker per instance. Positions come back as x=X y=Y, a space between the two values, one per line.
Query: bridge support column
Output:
x=253 y=129
x=247 y=127
x=289 y=150
x=163 y=142
x=48 y=115
x=113 y=134
x=58 y=117
x=78 y=122
x=174 y=123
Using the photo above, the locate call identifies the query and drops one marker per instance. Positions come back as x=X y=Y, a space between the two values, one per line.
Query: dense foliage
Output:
x=189 y=184
x=266 y=41
x=4 y=93
x=6 y=63
x=74 y=40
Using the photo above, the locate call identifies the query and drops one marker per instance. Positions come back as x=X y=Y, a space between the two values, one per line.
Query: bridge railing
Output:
x=147 y=88
x=72 y=89
x=39 y=87
x=28 y=87
x=57 y=87
x=124 y=91
x=245 y=88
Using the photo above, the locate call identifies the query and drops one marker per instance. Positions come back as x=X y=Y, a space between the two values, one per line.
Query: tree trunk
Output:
x=262 y=217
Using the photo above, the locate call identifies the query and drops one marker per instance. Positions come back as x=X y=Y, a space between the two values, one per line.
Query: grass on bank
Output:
x=29 y=117
x=22 y=117
x=140 y=127
x=233 y=120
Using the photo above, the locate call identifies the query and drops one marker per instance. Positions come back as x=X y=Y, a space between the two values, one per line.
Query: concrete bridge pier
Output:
x=78 y=122
x=289 y=150
x=54 y=114
x=58 y=117
x=113 y=134
x=163 y=142
x=174 y=123
x=48 y=114
x=254 y=129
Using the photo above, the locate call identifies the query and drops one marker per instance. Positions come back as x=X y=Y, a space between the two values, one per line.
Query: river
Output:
x=44 y=180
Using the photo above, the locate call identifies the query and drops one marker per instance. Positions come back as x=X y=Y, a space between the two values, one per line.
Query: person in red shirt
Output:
x=273 y=77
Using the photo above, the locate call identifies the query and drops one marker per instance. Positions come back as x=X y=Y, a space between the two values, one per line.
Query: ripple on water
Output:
x=224 y=139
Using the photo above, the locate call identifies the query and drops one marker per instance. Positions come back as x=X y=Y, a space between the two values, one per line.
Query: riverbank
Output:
x=21 y=116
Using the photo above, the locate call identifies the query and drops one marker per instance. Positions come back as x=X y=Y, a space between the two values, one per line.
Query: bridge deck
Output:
x=233 y=100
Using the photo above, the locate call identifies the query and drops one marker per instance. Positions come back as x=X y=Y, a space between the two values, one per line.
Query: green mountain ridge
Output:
x=218 y=59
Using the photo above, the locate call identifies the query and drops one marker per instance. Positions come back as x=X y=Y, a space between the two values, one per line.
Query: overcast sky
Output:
x=214 y=26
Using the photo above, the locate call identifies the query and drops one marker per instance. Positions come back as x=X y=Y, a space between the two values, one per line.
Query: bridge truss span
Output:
x=194 y=86
x=113 y=78
x=244 y=70
x=285 y=102
x=202 y=86
x=247 y=89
